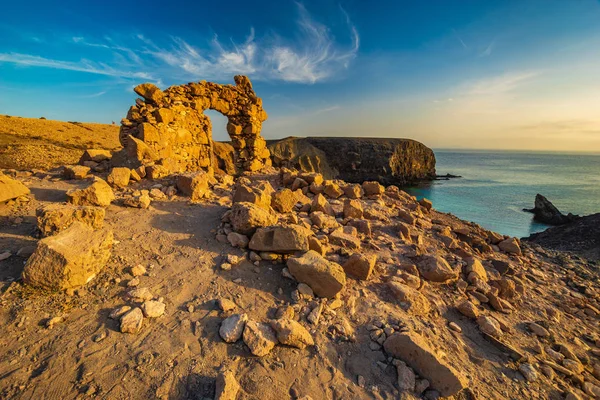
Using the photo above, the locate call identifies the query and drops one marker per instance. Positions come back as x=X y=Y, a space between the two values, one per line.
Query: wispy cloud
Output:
x=79 y=66
x=460 y=40
x=93 y=95
x=314 y=56
x=488 y=50
x=500 y=84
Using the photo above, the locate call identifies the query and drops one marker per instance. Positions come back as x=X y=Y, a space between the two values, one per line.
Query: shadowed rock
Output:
x=545 y=212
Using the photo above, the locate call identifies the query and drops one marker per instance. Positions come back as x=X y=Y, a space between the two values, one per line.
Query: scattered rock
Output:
x=153 y=308
x=98 y=193
x=280 y=239
x=510 y=245
x=194 y=184
x=232 y=327
x=260 y=338
x=325 y=278
x=119 y=177
x=131 y=322
x=360 y=266
x=436 y=269
x=246 y=218
x=291 y=333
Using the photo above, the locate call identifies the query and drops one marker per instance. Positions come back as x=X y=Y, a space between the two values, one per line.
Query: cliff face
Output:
x=389 y=161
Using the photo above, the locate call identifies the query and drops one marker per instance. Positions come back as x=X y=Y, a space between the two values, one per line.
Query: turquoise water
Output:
x=496 y=186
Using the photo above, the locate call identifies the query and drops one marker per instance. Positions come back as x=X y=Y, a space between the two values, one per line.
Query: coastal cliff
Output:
x=389 y=161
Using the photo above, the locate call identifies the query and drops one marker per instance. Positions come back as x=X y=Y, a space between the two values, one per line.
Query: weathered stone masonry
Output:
x=168 y=132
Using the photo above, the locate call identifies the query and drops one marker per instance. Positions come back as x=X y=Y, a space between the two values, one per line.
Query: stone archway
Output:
x=169 y=132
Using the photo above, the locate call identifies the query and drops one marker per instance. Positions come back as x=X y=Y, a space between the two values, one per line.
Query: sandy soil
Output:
x=28 y=143
x=178 y=355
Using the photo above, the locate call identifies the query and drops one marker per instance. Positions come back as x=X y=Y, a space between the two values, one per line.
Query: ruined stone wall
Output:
x=168 y=132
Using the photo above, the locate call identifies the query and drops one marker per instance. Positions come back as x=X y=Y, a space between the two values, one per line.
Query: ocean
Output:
x=496 y=186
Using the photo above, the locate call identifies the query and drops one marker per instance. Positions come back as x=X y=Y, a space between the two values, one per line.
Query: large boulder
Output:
x=69 y=259
x=435 y=269
x=54 y=218
x=245 y=218
x=325 y=278
x=281 y=239
x=414 y=351
x=98 y=193
x=194 y=184
x=11 y=188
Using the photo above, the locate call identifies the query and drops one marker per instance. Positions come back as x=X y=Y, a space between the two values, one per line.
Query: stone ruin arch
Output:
x=168 y=132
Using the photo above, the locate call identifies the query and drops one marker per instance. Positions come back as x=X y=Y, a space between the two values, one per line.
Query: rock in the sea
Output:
x=281 y=239
x=247 y=217
x=194 y=184
x=325 y=278
x=131 y=322
x=232 y=327
x=416 y=353
x=54 y=218
x=11 y=188
x=434 y=268
x=259 y=337
x=291 y=333
x=545 y=212
x=98 y=193
x=360 y=266
x=69 y=259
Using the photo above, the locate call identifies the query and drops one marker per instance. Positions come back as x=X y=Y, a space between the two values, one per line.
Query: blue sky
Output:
x=457 y=74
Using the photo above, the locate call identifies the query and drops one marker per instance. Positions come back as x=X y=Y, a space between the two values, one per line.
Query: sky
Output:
x=493 y=74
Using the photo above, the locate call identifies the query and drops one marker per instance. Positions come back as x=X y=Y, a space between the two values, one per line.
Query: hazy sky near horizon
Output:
x=494 y=74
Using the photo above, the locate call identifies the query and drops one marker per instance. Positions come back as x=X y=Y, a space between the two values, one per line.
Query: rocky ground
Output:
x=334 y=291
